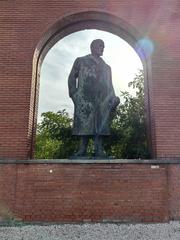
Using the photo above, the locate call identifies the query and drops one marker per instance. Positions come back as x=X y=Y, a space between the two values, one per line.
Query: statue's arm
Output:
x=111 y=88
x=73 y=78
x=114 y=100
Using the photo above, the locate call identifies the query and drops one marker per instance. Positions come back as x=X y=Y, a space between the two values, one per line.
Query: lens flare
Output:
x=144 y=47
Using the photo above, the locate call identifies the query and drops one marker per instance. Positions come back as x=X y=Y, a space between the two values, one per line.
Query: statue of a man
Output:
x=91 y=90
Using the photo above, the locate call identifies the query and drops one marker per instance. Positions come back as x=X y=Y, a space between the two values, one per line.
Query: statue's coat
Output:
x=90 y=87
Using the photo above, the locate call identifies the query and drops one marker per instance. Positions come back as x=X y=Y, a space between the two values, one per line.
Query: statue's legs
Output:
x=98 y=147
x=83 y=146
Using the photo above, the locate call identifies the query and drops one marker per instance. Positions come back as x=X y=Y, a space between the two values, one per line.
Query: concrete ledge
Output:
x=92 y=161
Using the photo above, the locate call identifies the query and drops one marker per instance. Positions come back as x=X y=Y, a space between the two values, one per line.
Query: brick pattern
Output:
x=8 y=174
x=174 y=191
x=77 y=193
x=22 y=25
x=87 y=192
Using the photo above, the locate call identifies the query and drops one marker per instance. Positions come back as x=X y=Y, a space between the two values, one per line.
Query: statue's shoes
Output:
x=80 y=153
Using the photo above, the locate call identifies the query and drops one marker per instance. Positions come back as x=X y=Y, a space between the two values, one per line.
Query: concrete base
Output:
x=91 y=161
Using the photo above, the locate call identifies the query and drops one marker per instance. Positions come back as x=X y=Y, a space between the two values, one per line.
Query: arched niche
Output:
x=90 y=20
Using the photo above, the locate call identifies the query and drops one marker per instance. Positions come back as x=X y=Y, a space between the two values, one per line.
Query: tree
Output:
x=54 y=138
x=128 y=138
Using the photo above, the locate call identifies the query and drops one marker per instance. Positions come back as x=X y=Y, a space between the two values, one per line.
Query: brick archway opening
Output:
x=81 y=21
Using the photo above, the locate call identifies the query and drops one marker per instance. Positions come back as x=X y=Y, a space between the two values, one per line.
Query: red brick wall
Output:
x=85 y=192
x=174 y=191
x=8 y=187
x=126 y=192
x=22 y=25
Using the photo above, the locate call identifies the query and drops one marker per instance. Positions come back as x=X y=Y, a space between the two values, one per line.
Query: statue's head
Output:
x=97 y=47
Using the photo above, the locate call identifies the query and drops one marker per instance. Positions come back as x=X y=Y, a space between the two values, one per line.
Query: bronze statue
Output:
x=92 y=92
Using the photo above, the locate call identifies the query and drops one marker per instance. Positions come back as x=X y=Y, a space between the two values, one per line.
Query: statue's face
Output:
x=98 y=48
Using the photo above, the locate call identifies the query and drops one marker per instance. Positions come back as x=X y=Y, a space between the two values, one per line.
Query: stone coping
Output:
x=91 y=161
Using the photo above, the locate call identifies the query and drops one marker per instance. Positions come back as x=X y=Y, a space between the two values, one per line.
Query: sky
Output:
x=58 y=62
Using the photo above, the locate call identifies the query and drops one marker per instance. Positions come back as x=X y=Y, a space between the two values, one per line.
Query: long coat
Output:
x=90 y=87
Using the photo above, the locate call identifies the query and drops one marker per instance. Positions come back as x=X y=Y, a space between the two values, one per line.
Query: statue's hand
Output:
x=114 y=102
x=118 y=101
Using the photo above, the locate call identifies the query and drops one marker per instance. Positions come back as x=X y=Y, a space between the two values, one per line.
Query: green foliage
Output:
x=128 y=138
x=54 y=138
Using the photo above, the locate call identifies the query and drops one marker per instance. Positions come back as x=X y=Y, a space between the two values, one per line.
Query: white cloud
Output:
x=58 y=63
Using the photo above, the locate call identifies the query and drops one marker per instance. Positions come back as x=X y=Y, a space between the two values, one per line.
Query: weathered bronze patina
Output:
x=91 y=89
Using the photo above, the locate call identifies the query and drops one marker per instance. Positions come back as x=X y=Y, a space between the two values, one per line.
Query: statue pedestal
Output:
x=85 y=190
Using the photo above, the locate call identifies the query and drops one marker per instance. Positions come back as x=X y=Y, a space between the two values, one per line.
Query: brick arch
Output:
x=81 y=21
